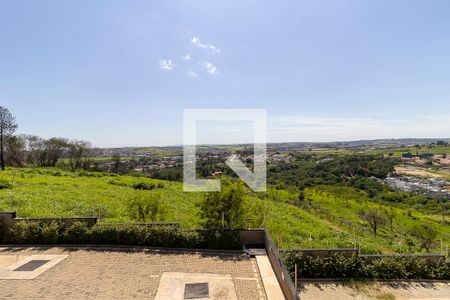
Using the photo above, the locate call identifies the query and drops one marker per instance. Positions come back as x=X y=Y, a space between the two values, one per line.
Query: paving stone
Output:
x=102 y=274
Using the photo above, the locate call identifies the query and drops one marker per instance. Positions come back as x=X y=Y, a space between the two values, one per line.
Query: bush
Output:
x=146 y=207
x=147 y=186
x=77 y=233
x=52 y=232
x=120 y=234
x=27 y=232
x=4 y=184
x=338 y=266
x=143 y=186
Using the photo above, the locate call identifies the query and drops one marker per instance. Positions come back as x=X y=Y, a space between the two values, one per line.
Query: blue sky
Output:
x=120 y=73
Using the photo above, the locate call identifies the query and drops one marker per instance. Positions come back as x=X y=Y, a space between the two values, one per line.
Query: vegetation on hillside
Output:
x=328 y=216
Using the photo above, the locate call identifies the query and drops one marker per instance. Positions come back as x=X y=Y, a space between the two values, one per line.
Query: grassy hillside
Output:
x=328 y=217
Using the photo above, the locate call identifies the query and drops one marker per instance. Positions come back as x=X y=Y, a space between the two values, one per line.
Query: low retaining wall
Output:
x=284 y=279
x=66 y=221
x=8 y=219
x=252 y=237
x=168 y=224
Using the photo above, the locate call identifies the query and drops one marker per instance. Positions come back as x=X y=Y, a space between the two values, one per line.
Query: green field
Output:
x=328 y=217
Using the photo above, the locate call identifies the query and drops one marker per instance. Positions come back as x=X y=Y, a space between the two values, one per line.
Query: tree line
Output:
x=21 y=150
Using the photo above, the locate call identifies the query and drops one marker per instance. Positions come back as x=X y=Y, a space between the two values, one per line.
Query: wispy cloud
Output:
x=166 y=64
x=210 y=68
x=192 y=74
x=196 y=41
x=192 y=65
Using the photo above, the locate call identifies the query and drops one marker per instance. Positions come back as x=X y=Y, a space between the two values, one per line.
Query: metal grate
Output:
x=32 y=265
x=196 y=290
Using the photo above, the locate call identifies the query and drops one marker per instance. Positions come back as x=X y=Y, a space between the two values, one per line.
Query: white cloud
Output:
x=196 y=41
x=192 y=74
x=166 y=64
x=210 y=68
x=187 y=56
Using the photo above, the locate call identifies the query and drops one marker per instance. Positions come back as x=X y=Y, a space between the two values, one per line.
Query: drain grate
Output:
x=196 y=290
x=32 y=265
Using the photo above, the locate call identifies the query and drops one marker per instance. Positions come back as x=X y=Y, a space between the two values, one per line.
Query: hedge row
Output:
x=338 y=266
x=33 y=232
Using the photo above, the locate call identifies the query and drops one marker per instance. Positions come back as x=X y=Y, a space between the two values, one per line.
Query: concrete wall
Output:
x=283 y=276
x=252 y=237
x=8 y=219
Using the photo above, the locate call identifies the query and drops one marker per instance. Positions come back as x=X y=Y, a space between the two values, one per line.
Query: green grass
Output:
x=330 y=220
x=341 y=206
x=56 y=193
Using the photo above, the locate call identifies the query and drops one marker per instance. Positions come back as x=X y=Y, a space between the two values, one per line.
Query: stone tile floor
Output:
x=124 y=274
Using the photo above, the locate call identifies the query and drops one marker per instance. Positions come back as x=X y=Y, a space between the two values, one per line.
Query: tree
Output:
x=116 y=161
x=8 y=126
x=36 y=150
x=78 y=154
x=54 y=148
x=15 y=151
x=374 y=218
x=224 y=209
x=390 y=215
x=426 y=234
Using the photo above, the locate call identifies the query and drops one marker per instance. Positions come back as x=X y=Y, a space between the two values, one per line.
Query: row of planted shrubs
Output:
x=33 y=232
x=357 y=267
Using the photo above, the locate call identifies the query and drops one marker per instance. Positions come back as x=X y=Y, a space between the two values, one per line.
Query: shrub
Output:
x=338 y=266
x=143 y=186
x=225 y=209
x=77 y=233
x=32 y=232
x=218 y=239
x=147 y=207
x=4 y=184
x=51 y=233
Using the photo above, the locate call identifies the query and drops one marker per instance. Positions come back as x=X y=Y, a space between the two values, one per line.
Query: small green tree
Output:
x=374 y=219
x=224 y=209
x=147 y=207
x=390 y=215
x=301 y=196
x=426 y=234
x=116 y=162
